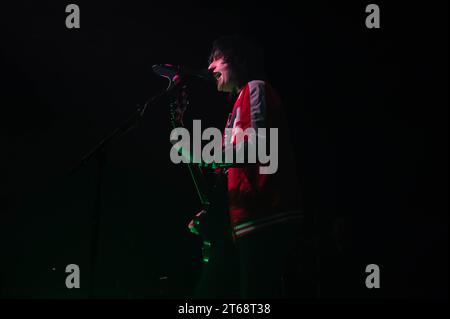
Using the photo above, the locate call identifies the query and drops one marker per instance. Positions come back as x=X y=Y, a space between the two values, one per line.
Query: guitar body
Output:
x=213 y=224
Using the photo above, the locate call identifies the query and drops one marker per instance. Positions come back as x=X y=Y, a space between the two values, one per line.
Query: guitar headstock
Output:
x=178 y=106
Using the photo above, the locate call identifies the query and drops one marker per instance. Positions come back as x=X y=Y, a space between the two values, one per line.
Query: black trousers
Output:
x=251 y=267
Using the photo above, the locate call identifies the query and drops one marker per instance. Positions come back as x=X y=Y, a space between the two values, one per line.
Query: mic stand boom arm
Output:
x=125 y=127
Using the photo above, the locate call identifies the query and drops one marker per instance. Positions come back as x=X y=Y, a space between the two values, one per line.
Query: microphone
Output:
x=175 y=72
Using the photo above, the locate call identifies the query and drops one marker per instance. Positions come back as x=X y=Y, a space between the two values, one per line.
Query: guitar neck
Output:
x=197 y=177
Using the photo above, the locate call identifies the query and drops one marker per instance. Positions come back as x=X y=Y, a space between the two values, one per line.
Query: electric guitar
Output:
x=212 y=222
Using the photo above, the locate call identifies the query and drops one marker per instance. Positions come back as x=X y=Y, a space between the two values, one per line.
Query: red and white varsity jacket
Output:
x=260 y=200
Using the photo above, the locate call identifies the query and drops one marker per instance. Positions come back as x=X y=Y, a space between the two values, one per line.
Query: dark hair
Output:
x=244 y=56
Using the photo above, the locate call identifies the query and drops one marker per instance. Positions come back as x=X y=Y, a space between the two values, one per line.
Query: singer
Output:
x=263 y=211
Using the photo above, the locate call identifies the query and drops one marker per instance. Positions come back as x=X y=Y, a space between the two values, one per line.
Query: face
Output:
x=223 y=74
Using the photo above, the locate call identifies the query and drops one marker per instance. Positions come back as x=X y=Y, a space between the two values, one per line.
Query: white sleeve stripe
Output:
x=257 y=104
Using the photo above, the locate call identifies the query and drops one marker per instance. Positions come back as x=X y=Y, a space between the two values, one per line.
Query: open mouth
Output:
x=217 y=75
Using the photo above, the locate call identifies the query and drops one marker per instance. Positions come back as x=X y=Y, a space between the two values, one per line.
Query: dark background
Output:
x=368 y=116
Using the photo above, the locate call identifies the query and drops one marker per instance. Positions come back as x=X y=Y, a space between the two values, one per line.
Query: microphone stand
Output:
x=100 y=151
